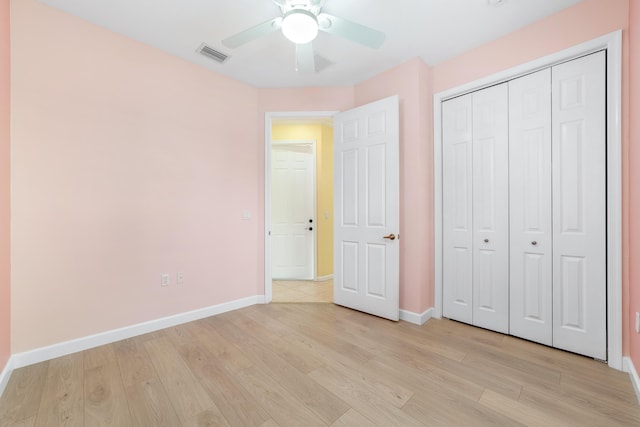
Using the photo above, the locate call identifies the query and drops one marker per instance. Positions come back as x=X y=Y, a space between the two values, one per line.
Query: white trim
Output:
x=269 y=117
x=62 y=349
x=324 y=278
x=5 y=375
x=415 y=318
x=627 y=364
x=613 y=43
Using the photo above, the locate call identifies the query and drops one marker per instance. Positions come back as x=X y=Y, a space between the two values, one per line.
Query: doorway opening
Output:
x=299 y=207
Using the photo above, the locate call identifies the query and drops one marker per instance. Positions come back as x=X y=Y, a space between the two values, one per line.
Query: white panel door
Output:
x=367 y=219
x=457 y=218
x=579 y=206
x=491 y=208
x=292 y=218
x=530 y=271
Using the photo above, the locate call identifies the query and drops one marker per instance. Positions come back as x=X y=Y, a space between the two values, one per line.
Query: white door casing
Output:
x=293 y=207
x=490 y=148
x=457 y=224
x=366 y=193
x=530 y=207
x=579 y=212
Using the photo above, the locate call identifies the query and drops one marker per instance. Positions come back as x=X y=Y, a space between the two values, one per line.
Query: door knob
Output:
x=534 y=243
x=486 y=240
x=310 y=228
x=390 y=237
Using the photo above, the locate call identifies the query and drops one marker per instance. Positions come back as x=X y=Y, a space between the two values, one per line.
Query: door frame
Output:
x=314 y=202
x=269 y=117
x=612 y=42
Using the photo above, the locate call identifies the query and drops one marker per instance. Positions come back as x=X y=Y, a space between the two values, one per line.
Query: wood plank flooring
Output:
x=302 y=291
x=319 y=365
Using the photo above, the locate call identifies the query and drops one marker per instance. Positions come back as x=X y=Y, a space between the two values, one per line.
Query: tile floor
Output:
x=302 y=291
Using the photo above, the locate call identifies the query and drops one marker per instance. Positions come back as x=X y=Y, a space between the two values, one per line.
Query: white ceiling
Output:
x=434 y=30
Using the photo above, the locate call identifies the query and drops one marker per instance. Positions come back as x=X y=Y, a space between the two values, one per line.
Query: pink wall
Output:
x=584 y=21
x=634 y=178
x=127 y=163
x=411 y=82
x=5 y=189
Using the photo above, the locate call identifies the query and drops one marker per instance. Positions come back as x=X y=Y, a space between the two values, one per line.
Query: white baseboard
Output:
x=324 y=278
x=627 y=366
x=62 y=349
x=415 y=318
x=5 y=375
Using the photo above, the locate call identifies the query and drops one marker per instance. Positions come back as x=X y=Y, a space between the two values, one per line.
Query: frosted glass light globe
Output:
x=300 y=26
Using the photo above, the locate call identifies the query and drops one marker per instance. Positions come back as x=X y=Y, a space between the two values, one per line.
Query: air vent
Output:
x=210 y=52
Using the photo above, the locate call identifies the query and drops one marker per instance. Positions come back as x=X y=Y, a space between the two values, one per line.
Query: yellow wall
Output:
x=325 y=202
x=323 y=135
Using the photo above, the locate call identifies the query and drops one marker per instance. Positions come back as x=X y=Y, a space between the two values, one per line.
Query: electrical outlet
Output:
x=637 y=322
x=180 y=278
x=164 y=280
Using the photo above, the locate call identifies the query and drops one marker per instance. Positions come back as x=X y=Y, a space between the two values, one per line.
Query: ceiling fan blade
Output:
x=253 y=33
x=350 y=30
x=305 y=59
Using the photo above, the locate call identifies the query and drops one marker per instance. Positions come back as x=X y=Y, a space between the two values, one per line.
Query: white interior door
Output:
x=530 y=207
x=293 y=206
x=366 y=192
x=491 y=208
x=579 y=206
x=457 y=203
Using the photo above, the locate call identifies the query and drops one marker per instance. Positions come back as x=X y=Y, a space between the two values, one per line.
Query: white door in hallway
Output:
x=367 y=219
x=293 y=207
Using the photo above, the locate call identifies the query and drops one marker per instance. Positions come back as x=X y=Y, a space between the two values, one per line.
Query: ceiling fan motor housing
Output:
x=313 y=6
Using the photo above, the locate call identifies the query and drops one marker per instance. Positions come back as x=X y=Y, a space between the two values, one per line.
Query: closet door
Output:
x=457 y=271
x=491 y=208
x=530 y=308
x=579 y=206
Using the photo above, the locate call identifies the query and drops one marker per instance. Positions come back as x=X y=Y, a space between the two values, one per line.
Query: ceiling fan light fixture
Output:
x=300 y=26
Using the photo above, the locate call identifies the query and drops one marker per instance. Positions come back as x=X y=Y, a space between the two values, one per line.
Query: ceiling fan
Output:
x=300 y=22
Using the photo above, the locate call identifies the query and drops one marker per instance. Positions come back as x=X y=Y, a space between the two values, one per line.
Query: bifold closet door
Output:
x=531 y=299
x=475 y=206
x=491 y=208
x=457 y=220
x=579 y=205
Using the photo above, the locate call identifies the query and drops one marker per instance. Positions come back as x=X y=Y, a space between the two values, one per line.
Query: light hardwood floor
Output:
x=302 y=291
x=318 y=365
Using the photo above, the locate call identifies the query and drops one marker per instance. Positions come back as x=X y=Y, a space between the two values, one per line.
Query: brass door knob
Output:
x=390 y=237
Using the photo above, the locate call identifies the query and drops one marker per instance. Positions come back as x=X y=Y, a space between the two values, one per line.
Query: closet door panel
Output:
x=530 y=308
x=579 y=206
x=457 y=207
x=491 y=208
